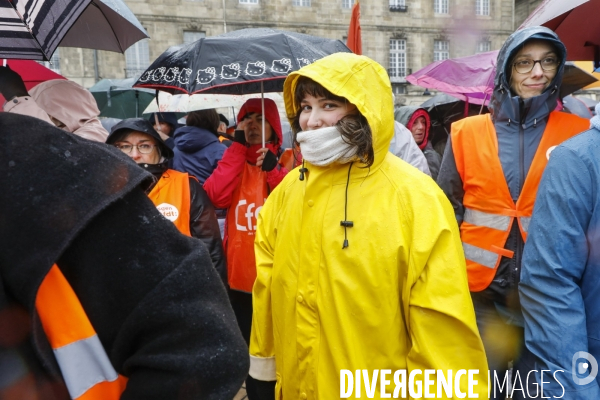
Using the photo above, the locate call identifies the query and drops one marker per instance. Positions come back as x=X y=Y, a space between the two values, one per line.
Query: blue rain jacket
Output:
x=560 y=278
x=197 y=151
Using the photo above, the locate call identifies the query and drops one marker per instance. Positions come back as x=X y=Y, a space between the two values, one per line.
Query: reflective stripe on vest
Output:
x=489 y=206
x=480 y=256
x=481 y=218
x=85 y=366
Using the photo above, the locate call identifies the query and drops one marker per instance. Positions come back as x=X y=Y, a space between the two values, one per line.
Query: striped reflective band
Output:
x=83 y=364
x=480 y=218
x=477 y=254
x=525 y=223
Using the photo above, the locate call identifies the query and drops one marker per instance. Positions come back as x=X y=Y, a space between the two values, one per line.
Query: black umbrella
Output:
x=443 y=110
x=247 y=61
x=33 y=29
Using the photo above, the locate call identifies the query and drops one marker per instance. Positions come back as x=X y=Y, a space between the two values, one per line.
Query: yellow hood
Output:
x=346 y=75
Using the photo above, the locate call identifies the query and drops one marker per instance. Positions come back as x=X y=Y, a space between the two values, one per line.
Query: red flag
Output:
x=354 y=41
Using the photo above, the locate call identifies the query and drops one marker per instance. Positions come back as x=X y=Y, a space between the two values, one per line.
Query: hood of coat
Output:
x=504 y=104
x=271 y=114
x=363 y=82
x=68 y=102
x=407 y=115
x=190 y=139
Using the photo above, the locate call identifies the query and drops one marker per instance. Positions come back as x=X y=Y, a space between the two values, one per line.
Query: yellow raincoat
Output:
x=396 y=298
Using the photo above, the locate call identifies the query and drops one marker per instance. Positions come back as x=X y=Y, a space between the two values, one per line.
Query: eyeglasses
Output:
x=143 y=148
x=526 y=66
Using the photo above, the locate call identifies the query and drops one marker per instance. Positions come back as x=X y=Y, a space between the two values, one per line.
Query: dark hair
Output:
x=205 y=119
x=354 y=127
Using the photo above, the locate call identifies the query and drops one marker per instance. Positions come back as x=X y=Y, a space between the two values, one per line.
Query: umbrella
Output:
x=575 y=22
x=254 y=60
x=185 y=103
x=472 y=78
x=443 y=110
x=466 y=78
x=589 y=102
x=32 y=73
x=588 y=66
x=33 y=29
x=117 y=98
x=577 y=107
x=246 y=61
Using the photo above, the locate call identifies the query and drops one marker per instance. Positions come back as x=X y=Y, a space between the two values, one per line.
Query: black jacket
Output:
x=152 y=295
x=203 y=219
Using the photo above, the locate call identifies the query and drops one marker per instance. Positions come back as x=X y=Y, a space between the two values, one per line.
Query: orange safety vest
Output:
x=171 y=196
x=290 y=158
x=489 y=210
x=85 y=366
x=248 y=198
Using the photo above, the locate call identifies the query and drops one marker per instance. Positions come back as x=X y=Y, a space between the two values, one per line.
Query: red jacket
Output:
x=225 y=178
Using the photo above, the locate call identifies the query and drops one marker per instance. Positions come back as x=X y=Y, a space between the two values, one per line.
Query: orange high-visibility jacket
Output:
x=171 y=196
x=85 y=366
x=489 y=210
x=247 y=200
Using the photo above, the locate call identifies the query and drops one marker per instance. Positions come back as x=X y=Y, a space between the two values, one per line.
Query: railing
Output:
x=395 y=8
x=397 y=75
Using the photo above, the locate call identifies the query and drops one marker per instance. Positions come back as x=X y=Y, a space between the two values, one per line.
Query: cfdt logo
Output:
x=248 y=214
x=584 y=363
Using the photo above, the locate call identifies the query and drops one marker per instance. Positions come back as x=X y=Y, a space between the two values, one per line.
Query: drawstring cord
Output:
x=345 y=223
x=302 y=171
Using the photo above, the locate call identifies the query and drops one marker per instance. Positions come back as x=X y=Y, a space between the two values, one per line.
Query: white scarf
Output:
x=325 y=146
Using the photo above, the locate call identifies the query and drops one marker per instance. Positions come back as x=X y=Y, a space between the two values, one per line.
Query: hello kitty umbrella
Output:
x=246 y=61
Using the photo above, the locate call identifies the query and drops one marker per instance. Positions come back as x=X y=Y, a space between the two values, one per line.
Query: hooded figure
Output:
x=177 y=195
x=561 y=269
x=408 y=116
x=376 y=289
x=71 y=107
x=197 y=146
x=491 y=169
x=145 y=300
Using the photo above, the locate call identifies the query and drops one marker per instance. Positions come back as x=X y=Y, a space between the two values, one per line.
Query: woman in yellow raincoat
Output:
x=359 y=260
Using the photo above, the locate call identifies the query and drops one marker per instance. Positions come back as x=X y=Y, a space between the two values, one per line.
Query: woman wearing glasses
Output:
x=491 y=169
x=177 y=195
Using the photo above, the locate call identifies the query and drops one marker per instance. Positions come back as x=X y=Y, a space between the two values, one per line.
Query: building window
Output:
x=441 y=50
x=482 y=7
x=397 y=69
x=301 y=3
x=137 y=59
x=347 y=3
x=54 y=63
x=484 y=46
x=440 y=6
x=248 y=1
x=397 y=3
x=192 y=36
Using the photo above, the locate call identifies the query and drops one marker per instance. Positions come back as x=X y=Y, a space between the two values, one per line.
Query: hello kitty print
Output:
x=230 y=72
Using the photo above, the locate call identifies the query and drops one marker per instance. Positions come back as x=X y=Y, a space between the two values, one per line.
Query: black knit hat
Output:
x=139 y=125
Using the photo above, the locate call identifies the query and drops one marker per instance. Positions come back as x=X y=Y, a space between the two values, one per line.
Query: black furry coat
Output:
x=151 y=293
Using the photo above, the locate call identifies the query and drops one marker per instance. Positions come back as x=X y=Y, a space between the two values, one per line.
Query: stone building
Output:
x=402 y=35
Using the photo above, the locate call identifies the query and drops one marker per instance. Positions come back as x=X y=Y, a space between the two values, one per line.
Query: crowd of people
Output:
x=361 y=248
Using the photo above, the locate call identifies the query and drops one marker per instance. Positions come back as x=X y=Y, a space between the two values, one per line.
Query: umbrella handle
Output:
x=262 y=104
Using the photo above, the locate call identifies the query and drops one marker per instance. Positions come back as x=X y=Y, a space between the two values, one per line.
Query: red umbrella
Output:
x=575 y=22
x=32 y=73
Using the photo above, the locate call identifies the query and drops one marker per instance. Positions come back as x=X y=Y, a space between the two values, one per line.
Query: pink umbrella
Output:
x=470 y=79
x=31 y=72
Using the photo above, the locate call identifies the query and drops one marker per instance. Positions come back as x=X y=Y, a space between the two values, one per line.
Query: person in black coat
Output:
x=153 y=297
x=203 y=222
